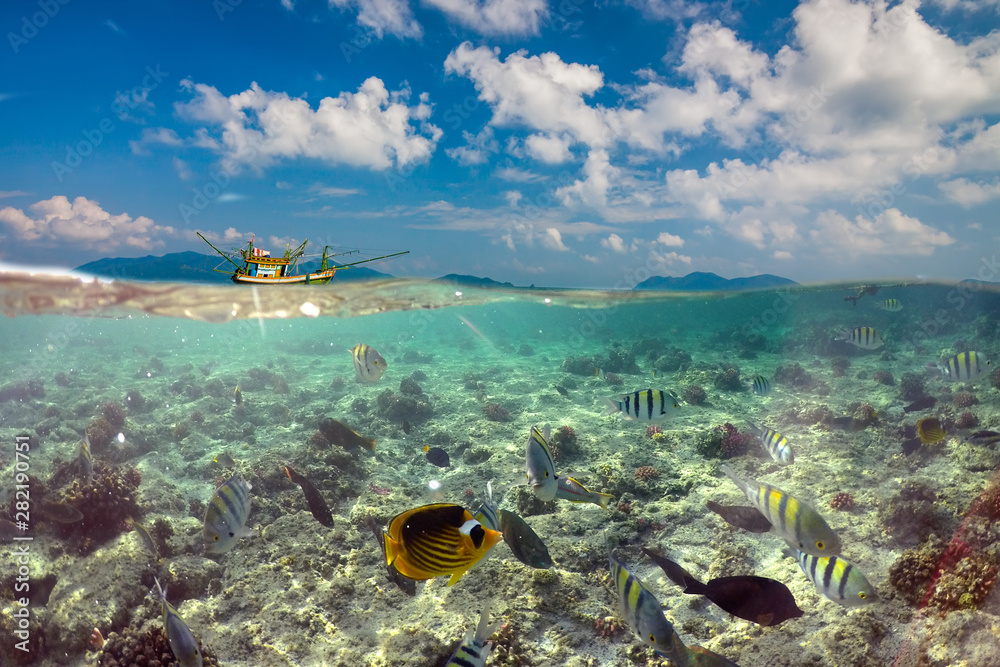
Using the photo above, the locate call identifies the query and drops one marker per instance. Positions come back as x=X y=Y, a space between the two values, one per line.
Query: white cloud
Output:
x=968 y=193
x=552 y=239
x=516 y=175
x=674 y=10
x=664 y=261
x=330 y=191
x=229 y=197
x=5 y=194
x=82 y=224
x=477 y=149
x=182 y=169
x=614 y=242
x=154 y=136
x=372 y=128
x=495 y=17
x=782 y=254
x=548 y=148
x=383 y=17
x=669 y=240
x=889 y=233
x=593 y=190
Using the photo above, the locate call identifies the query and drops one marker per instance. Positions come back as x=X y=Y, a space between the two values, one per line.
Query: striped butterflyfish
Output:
x=539 y=464
x=368 y=363
x=965 y=367
x=437 y=540
x=796 y=522
x=835 y=578
x=226 y=516
x=864 y=337
x=775 y=444
x=645 y=405
x=474 y=649
x=643 y=613
x=179 y=635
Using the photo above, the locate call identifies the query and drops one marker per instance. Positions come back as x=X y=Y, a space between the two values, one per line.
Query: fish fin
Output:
x=612 y=407
x=391 y=548
x=765 y=619
x=245 y=532
x=455 y=576
x=604 y=499
x=484 y=630
x=731 y=474
x=370 y=444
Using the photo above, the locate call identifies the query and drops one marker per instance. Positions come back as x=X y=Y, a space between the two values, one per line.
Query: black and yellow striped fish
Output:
x=474 y=650
x=890 y=305
x=930 y=431
x=437 y=540
x=965 y=367
x=645 y=405
x=864 y=337
x=836 y=579
x=182 y=642
x=642 y=611
x=798 y=524
x=775 y=444
x=226 y=515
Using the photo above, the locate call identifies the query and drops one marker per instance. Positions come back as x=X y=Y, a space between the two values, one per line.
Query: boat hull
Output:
x=318 y=277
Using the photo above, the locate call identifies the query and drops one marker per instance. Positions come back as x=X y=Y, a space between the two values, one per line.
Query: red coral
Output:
x=966 y=420
x=883 y=377
x=733 y=442
x=115 y=414
x=496 y=412
x=653 y=430
x=646 y=473
x=964 y=399
x=842 y=501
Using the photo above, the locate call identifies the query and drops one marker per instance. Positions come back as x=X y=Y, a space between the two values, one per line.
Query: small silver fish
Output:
x=571 y=490
x=226 y=515
x=474 y=649
x=368 y=363
x=179 y=635
x=86 y=460
x=540 y=465
x=144 y=535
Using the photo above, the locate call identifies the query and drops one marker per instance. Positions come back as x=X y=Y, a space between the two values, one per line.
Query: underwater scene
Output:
x=420 y=474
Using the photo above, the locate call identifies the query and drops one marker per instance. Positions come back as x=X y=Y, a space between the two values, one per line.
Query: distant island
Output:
x=700 y=281
x=192 y=266
x=471 y=281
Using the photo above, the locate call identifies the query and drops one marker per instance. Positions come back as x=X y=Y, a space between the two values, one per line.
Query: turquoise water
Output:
x=300 y=593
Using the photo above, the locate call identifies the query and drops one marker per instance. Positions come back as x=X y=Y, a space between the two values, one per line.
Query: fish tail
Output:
x=604 y=499
x=370 y=444
x=484 y=630
x=612 y=407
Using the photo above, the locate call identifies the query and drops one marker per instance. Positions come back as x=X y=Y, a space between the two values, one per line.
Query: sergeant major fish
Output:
x=487 y=513
x=645 y=405
x=760 y=385
x=226 y=515
x=776 y=445
x=474 y=649
x=864 y=337
x=835 y=578
x=643 y=613
x=541 y=468
x=964 y=367
x=368 y=363
x=796 y=522
x=179 y=635
x=87 y=460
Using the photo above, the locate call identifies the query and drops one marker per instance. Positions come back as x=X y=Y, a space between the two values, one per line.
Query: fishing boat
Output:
x=255 y=266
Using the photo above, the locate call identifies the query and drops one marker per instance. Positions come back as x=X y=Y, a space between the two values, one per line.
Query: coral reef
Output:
x=574 y=365
x=911 y=386
x=646 y=473
x=964 y=399
x=563 y=442
x=884 y=377
x=101 y=432
x=672 y=360
x=132 y=648
x=22 y=391
x=864 y=416
x=728 y=379
x=410 y=387
x=966 y=420
x=106 y=505
x=839 y=366
x=614 y=379
x=734 y=443
x=495 y=412
x=842 y=501
x=694 y=394
x=913 y=514
x=397 y=407
x=912 y=573
x=653 y=430
x=115 y=414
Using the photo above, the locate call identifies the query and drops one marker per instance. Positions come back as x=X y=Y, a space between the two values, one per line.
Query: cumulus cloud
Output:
x=670 y=240
x=615 y=243
x=552 y=239
x=477 y=149
x=383 y=17
x=548 y=148
x=889 y=233
x=81 y=224
x=495 y=17
x=372 y=128
x=968 y=193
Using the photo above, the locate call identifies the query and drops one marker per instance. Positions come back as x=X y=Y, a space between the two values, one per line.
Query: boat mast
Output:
x=227 y=257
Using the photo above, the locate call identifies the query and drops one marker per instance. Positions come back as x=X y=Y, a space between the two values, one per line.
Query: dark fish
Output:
x=524 y=543
x=911 y=445
x=921 y=404
x=562 y=390
x=847 y=424
x=59 y=512
x=314 y=499
x=408 y=586
x=437 y=456
x=144 y=535
x=756 y=599
x=983 y=438
x=407 y=427
x=737 y=516
x=340 y=434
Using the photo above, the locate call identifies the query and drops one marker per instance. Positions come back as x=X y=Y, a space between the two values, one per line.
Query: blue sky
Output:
x=554 y=142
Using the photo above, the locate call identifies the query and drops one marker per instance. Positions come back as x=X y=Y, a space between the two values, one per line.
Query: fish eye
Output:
x=216 y=538
x=652 y=638
x=546 y=474
x=820 y=545
x=862 y=595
